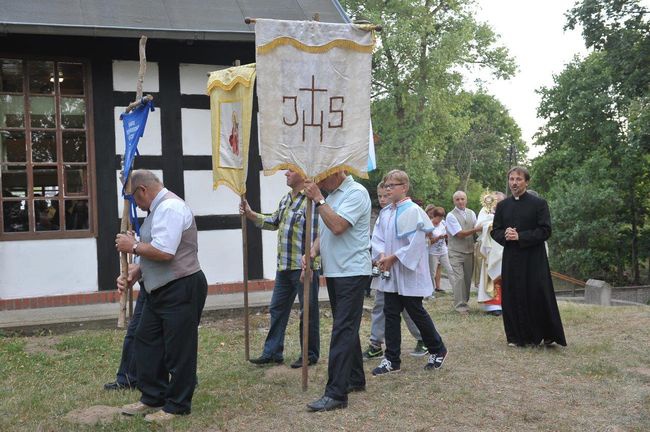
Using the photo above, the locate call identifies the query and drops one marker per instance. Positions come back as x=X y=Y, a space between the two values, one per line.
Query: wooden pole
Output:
x=306 y=289
x=125 y=223
x=363 y=25
x=244 y=239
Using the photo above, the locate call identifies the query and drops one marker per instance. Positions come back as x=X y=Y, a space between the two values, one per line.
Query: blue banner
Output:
x=134 y=124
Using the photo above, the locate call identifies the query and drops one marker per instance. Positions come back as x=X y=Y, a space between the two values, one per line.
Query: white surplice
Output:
x=491 y=252
x=410 y=274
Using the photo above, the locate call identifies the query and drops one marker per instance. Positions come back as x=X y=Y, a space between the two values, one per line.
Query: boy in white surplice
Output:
x=400 y=249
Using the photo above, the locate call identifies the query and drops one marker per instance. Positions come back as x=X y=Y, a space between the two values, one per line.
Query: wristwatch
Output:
x=135 y=247
x=320 y=203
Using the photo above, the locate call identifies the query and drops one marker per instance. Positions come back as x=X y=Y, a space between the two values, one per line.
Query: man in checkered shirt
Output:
x=289 y=221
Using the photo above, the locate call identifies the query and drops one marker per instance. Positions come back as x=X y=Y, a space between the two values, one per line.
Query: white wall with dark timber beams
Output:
x=197 y=135
x=36 y=268
x=220 y=250
x=125 y=74
x=204 y=200
x=194 y=77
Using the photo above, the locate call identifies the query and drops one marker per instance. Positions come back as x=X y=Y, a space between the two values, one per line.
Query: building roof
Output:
x=162 y=19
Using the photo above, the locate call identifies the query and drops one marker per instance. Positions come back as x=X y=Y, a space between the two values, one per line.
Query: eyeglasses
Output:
x=139 y=188
x=392 y=185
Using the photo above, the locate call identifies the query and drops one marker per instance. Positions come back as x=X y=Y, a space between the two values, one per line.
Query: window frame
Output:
x=91 y=195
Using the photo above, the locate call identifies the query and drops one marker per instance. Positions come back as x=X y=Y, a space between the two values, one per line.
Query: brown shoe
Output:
x=138 y=408
x=159 y=417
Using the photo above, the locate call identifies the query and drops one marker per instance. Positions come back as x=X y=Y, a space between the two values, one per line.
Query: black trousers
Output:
x=167 y=343
x=127 y=372
x=393 y=306
x=345 y=367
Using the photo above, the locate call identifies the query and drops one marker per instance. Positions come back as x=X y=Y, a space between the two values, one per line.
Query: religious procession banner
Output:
x=231 y=108
x=134 y=124
x=313 y=90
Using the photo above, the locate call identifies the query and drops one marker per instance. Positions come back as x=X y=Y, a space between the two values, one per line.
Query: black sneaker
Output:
x=373 y=352
x=265 y=360
x=435 y=361
x=419 y=350
x=384 y=368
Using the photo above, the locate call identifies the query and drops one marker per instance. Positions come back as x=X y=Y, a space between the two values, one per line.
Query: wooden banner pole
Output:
x=244 y=239
x=307 y=278
x=125 y=222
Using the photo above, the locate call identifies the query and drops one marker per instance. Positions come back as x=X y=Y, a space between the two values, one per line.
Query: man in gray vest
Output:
x=460 y=227
x=167 y=337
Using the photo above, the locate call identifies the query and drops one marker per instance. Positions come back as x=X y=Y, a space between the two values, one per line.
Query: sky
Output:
x=532 y=30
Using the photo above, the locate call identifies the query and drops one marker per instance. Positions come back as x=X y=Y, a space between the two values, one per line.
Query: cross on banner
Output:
x=314 y=96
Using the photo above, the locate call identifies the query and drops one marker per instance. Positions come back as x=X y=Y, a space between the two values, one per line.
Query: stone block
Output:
x=598 y=292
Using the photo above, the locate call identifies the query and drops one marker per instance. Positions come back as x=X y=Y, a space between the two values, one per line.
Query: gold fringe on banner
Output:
x=337 y=43
x=319 y=176
x=227 y=79
x=229 y=86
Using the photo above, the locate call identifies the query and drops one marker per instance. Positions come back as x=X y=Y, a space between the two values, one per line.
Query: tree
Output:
x=491 y=142
x=597 y=132
x=421 y=50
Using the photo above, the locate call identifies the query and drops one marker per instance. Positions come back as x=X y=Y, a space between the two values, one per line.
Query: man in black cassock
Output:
x=522 y=223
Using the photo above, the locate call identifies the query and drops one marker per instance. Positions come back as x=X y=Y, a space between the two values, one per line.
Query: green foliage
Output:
x=420 y=114
x=586 y=230
x=596 y=165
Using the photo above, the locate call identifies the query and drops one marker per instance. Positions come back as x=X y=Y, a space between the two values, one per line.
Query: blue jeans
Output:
x=287 y=285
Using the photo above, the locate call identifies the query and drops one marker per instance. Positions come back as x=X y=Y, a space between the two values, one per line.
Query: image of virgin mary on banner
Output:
x=313 y=92
x=231 y=108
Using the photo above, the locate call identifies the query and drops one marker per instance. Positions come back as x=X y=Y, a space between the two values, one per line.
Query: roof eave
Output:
x=126 y=32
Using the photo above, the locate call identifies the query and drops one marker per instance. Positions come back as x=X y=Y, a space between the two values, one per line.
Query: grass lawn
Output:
x=600 y=382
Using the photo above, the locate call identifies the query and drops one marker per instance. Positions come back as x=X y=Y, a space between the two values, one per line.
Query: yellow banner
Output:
x=231 y=107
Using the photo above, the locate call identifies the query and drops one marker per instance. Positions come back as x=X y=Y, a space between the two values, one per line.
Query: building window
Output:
x=45 y=150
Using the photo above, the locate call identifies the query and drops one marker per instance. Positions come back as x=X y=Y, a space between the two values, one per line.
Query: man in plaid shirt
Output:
x=289 y=221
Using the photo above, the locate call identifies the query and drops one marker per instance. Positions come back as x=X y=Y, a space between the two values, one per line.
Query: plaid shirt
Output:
x=289 y=221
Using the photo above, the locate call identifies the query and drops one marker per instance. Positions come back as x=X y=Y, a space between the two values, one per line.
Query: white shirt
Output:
x=410 y=273
x=439 y=247
x=171 y=218
x=453 y=226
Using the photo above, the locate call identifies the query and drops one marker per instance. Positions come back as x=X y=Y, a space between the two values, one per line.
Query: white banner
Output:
x=313 y=89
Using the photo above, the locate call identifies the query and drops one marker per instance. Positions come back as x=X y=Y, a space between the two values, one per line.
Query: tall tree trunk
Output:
x=635 y=239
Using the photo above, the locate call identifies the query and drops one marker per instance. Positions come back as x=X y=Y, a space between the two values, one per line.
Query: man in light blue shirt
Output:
x=344 y=246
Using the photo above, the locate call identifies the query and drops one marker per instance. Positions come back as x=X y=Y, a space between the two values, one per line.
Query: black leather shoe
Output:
x=356 y=388
x=326 y=403
x=266 y=360
x=117 y=386
x=298 y=363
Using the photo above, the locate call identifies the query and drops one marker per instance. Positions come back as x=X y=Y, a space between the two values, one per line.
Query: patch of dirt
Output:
x=643 y=371
x=43 y=345
x=275 y=373
x=93 y=415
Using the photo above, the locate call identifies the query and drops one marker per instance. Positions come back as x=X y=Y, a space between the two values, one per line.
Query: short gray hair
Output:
x=145 y=178
x=457 y=193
